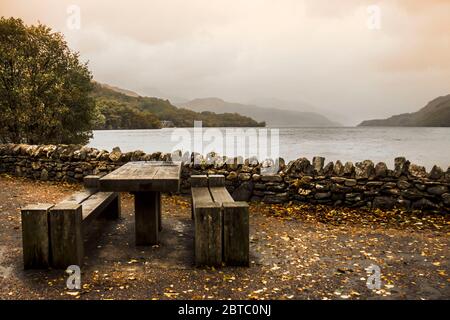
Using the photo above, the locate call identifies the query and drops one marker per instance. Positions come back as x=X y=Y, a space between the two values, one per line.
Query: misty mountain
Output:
x=274 y=117
x=300 y=106
x=435 y=114
x=118 y=108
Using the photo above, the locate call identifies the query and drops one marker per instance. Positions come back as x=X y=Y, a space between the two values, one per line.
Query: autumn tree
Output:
x=44 y=88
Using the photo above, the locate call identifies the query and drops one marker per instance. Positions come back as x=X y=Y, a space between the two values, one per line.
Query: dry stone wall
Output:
x=363 y=184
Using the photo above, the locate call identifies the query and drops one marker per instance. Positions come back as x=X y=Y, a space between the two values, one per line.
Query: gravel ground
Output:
x=297 y=252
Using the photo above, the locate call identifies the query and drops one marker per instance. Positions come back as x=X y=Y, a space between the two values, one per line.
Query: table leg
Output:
x=159 y=212
x=146 y=218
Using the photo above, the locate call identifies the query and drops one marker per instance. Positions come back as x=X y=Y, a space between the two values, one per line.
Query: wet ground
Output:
x=297 y=252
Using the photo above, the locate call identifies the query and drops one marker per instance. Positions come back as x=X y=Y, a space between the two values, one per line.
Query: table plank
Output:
x=143 y=176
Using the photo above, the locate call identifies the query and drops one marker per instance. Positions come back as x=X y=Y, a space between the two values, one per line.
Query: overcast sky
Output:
x=317 y=51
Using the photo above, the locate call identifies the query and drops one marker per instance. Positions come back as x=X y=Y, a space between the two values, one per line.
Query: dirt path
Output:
x=297 y=252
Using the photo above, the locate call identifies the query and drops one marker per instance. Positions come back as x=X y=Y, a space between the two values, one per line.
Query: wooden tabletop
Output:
x=141 y=176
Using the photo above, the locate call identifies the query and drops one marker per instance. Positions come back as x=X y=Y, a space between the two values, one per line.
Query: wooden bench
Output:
x=221 y=224
x=52 y=235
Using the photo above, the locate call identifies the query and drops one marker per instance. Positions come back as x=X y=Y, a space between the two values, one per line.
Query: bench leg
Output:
x=66 y=240
x=35 y=236
x=146 y=218
x=113 y=211
x=208 y=234
x=235 y=234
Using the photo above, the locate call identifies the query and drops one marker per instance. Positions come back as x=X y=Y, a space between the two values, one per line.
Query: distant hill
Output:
x=149 y=92
x=435 y=114
x=119 y=90
x=339 y=118
x=118 y=108
x=273 y=117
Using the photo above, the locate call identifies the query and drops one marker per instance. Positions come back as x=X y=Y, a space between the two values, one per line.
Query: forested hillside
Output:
x=435 y=114
x=116 y=110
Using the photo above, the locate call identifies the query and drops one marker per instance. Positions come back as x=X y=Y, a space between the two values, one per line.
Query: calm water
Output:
x=424 y=146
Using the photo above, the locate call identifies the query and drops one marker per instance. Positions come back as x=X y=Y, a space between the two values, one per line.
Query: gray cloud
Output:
x=315 y=51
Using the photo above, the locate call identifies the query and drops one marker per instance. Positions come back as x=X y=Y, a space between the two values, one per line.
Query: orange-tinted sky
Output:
x=317 y=51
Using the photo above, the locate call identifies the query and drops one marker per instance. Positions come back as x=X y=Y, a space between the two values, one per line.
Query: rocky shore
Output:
x=363 y=184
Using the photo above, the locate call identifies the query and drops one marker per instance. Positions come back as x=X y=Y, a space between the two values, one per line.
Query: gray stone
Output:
x=350 y=182
x=349 y=169
x=280 y=163
x=403 y=204
x=318 y=163
x=403 y=184
x=389 y=185
x=36 y=165
x=115 y=155
x=338 y=179
x=44 y=175
x=304 y=192
x=252 y=161
x=420 y=186
x=437 y=190
x=305 y=180
x=298 y=166
x=276 y=187
x=260 y=186
x=272 y=178
x=371 y=184
x=381 y=170
x=371 y=193
x=385 y=203
x=364 y=170
x=232 y=176
x=137 y=155
x=338 y=169
x=328 y=169
x=352 y=197
x=256 y=177
x=436 y=173
x=258 y=193
x=244 y=176
x=322 y=195
x=424 y=204
x=401 y=166
x=412 y=194
x=243 y=192
x=273 y=170
x=276 y=198
x=446 y=199
x=234 y=163
x=340 y=188
x=392 y=192
x=321 y=187
x=417 y=171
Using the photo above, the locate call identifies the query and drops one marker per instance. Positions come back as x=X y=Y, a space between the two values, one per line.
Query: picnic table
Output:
x=146 y=180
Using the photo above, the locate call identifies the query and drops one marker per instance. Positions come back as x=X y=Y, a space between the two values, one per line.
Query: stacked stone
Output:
x=66 y=163
x=363 y=184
